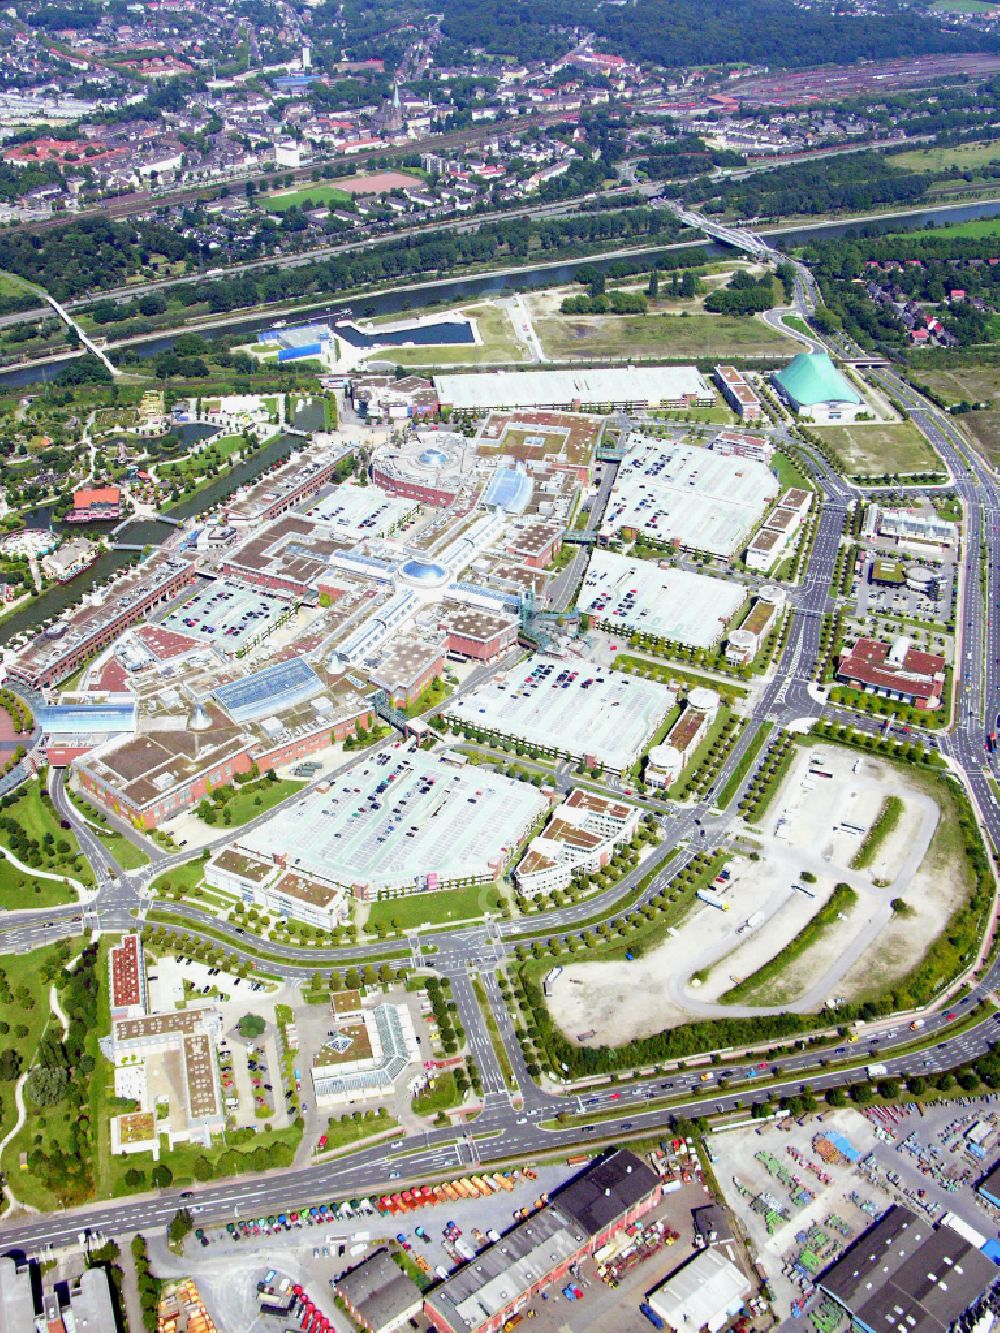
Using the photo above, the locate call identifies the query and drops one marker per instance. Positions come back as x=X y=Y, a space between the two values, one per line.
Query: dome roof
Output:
x=424 y=573
x=811 y=377
x=433 y=457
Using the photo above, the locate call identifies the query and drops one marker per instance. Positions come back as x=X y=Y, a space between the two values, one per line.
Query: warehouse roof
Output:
x=904 y=1273
x=481 y=390
x=811 y=377
x=611 y=1187
x=380 y=1292
x=479 y=1291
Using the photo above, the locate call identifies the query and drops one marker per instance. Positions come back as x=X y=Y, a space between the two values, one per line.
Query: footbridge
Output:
x=85 y=338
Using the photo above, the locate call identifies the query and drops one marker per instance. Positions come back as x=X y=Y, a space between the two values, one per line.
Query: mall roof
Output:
x=811 y=377
x=478 y=391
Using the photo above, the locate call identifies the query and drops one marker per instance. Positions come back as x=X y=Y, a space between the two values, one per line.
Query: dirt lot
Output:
x=872 y=448
x=975 y=384
x=768 y=902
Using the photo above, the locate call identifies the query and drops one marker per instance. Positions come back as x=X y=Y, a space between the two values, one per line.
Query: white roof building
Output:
x=628 y=386
x=705 y=1293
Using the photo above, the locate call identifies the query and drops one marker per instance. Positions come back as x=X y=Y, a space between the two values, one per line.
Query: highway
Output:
x=509 y=1124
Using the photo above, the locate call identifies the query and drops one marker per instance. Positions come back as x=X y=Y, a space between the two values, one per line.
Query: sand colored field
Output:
x=683 y=977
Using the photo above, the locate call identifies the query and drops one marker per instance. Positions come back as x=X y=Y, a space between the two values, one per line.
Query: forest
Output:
x=94 y=255
x=696 y=32
x=850 y=183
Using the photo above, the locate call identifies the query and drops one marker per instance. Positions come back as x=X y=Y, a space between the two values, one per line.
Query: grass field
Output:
x=38 y=818
x=972 y=384
x=796 y=323
x=628 y=337
x=961 y=7
x=253 y=799
x=418 y=909
x=964 y=156
x=12 y=285
x=500 y=344
x=19 y=891
x=869 y=449
x=976 y=228
x=319 y=196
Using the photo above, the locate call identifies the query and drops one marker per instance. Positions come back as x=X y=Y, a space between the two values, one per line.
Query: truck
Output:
x=877 y=1071
x=651 y=1315
x=917 y=1024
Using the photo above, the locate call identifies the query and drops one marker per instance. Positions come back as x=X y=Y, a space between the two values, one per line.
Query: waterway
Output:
x=434 y=333
x=456 y=291
x=57 y=599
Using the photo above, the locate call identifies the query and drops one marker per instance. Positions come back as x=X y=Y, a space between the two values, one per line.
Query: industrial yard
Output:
x=802 y=1191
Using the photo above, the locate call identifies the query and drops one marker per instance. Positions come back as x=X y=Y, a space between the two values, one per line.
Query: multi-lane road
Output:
x=510 y=1123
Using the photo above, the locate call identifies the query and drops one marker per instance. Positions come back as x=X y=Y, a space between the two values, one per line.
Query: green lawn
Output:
x=962 y=7
x=28 y=1014
x=184 y=877
x=977 y=228
x=318 y=196
x=125 y=852
x=342 y=1131
x=18 y=890
x=419 y=909
x=794 y=322
x=195 y=465
x=252 y=799
x=440 y=1095
x=789 y=473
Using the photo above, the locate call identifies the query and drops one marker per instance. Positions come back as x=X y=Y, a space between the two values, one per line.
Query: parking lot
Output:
x=228 y=614
x=672 y=604
x=574 y=707
x=929 y=606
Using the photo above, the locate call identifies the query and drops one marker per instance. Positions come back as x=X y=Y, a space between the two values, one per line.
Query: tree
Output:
x=203 y=1169
x=47 y=1085
x=10 y=1065
x=251 y=1025
x=161 y=1176
x=180 y=1227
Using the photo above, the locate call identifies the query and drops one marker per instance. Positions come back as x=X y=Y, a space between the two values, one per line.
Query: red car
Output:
x=950 y=1016
x=763 y=1065
x=615 y=1097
